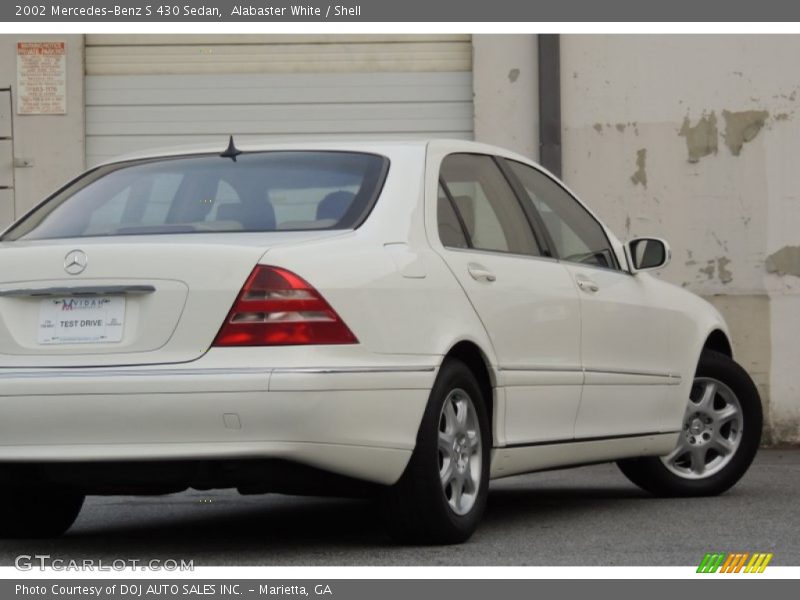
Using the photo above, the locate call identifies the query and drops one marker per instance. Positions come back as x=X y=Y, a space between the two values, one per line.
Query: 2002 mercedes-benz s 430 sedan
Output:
x=404 y=319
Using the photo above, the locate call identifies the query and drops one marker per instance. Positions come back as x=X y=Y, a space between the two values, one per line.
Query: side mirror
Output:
x=647 y=254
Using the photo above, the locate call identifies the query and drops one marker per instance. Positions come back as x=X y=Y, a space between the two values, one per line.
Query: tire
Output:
x=420 y=508
x=716 y=445
x=37 y=512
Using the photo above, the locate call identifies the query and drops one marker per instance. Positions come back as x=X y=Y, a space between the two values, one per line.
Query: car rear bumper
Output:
x=356 y=421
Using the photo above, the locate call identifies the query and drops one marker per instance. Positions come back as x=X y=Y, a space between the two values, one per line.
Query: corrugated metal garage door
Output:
x=150 y=91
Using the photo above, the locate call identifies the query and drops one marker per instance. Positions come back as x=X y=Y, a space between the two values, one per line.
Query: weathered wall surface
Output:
x=505 y=82
x=51 y=144
x=697 y=139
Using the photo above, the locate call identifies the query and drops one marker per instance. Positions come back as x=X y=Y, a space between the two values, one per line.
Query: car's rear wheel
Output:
x=37 y=512
x=720 y=434
x=442 y=494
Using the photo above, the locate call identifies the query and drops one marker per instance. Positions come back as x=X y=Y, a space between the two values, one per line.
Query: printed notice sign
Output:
x=41 y=78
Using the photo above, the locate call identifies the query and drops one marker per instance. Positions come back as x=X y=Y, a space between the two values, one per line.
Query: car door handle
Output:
x=479 y=273
x=587 y=285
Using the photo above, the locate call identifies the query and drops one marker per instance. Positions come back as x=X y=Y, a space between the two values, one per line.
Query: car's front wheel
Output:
x=720 y=434
x=442 y=494
x=37 y=512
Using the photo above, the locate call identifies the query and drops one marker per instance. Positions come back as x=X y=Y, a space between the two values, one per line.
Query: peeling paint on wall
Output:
x=640 y=175
x=701 y=139
x=725 y=276
x=513 y=75
x=709 y=269
x=742 y=127
x=718 y=266
x=785 y=261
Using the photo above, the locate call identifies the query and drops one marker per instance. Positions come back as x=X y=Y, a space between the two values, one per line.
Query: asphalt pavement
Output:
x=585 y=516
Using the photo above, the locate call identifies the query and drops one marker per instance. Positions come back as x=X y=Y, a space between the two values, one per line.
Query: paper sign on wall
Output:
x=41 y=78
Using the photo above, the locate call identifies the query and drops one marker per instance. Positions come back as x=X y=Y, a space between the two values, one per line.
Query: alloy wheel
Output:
x=460 y=451
x=711 y=433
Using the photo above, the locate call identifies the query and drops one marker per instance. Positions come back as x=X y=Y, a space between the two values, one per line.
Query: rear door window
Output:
x=486 y=204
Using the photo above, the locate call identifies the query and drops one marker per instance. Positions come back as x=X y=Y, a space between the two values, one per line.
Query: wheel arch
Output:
x=718 y=341
x=478 y=362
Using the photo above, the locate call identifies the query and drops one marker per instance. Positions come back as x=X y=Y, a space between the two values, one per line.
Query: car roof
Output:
x=385 y=147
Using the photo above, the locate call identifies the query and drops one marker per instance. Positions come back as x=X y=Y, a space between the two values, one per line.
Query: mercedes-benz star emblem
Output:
x=75 y=262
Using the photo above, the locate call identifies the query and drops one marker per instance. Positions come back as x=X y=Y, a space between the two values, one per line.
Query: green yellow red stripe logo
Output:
x=734 y=562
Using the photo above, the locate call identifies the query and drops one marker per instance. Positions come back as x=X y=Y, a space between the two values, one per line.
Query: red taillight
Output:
x=278 y=308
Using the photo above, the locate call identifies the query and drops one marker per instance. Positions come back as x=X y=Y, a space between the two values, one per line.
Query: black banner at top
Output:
x=460 y=11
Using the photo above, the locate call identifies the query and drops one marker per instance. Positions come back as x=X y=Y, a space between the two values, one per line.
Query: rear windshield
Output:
x=262 y=191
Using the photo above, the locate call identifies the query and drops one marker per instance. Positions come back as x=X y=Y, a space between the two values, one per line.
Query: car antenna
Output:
x=231 y=151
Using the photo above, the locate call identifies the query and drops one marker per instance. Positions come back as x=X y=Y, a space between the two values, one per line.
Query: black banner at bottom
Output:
x=733 y=588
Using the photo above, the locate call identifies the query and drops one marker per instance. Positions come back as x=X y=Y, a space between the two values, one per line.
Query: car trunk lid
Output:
x=126 y=300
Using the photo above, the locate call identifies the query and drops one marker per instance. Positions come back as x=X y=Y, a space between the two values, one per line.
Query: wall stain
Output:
x=742 y=127
x=640 y=175
x=709 y=269
x=598 y=127
x=513 y=75
x=620 y=127
x=783 y=116
x=725 y=276
x=720 y=243
x=701 y=139
x=785 y=261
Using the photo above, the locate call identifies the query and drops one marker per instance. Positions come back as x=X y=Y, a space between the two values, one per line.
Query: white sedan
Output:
x=405 y=320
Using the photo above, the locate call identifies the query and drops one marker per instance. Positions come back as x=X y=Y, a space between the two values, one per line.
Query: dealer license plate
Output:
x=81 y=320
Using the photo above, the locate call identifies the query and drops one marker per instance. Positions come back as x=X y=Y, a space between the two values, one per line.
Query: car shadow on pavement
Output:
x=531 y=502
x=224 y=528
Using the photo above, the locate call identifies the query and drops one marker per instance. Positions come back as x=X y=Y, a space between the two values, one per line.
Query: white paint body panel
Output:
x=561 y=367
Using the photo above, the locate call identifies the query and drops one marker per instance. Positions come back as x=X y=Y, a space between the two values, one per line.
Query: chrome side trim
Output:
x=87 y=290
x=103 y=372
x=542 y=369
x=557 y=369
x=346 y=370
x=634 y=372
